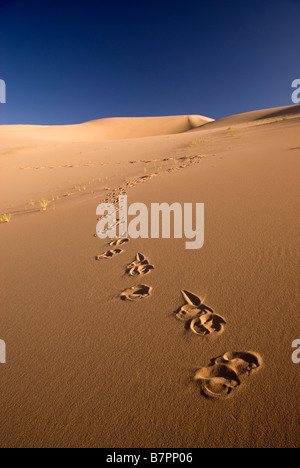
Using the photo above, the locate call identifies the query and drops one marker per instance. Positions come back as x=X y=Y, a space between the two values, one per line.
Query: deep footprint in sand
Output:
x=110 y=254
x=217 y=381
x=226 y=373
x=199 y=318
x=140 y=266
x=244 y=363
x=193 y=308
x=136 y=293
x=118 y=242
x=207 y=324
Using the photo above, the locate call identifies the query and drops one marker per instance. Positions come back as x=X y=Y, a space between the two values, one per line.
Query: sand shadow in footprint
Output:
x=140 y=266
x=207 y=324
x=118 y=242
x=136 y=293
x=108 y=255
x=226 y=373
x=199 y=318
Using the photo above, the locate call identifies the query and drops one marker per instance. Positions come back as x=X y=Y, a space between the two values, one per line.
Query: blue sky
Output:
x=68 y=62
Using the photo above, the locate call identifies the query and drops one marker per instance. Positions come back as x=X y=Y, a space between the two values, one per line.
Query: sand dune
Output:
x=107 y=129
x=143 y=343
x=248 y=117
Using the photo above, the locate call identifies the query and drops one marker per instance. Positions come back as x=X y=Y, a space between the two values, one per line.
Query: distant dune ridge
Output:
x=122 y=128
x=113 y=129
x=254 y=116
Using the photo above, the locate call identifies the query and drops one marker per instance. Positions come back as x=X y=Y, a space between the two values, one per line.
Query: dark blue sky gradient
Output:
x=70 y=61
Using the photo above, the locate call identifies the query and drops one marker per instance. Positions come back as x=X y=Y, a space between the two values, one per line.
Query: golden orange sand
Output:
x=85 y=369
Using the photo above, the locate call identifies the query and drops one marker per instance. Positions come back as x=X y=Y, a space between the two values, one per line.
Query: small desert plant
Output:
x=84 y=187
x=32 y=203
x=5 y=218
x=67 y=193
x=232 y=131
x=268 y=122
x=43 y=204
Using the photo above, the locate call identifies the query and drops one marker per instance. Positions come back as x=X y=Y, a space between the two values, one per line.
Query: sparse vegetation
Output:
x=43 y=204
x=232 y=131
x=268 y=122
x=199 y=142
x=5 y=218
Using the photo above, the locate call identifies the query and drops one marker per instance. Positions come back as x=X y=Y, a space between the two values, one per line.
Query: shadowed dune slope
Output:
x=248 y=117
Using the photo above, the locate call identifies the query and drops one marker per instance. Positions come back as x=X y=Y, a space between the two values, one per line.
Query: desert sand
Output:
x=88 y=369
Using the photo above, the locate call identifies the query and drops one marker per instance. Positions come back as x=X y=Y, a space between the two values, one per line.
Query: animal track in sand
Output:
x=194 y=306
x=244 y=363
x=226 y=373
x=110 y=254
x=217 y=381
x=140 y=266
x=136 y=293
x=186 y=161
x=118 y=242
x=199 y=318
x=207 y=324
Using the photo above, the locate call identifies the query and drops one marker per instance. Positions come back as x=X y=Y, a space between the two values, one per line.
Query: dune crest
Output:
x=111 y=129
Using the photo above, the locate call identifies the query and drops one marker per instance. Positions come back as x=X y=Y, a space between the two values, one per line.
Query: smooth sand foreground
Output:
x=87 y=369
